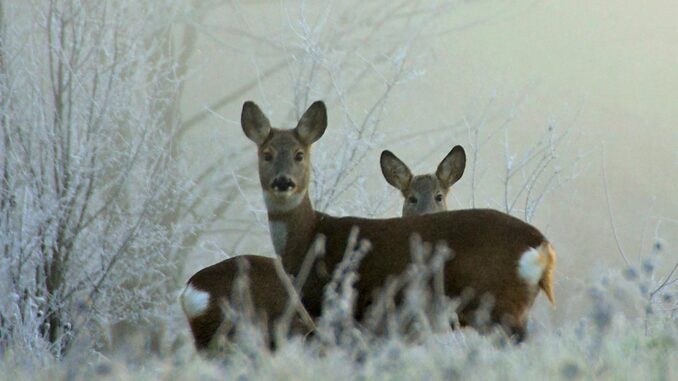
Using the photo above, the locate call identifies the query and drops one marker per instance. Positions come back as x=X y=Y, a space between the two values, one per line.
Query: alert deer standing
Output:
x=424 y=194
x=494 y=253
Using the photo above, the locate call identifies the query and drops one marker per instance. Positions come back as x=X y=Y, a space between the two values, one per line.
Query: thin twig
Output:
x=609 y=211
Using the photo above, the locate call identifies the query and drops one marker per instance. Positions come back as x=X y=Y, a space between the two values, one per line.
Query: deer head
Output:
x=284 y=165
x=427 y=193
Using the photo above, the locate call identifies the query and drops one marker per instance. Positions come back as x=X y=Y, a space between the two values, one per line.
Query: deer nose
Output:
x=282 y=184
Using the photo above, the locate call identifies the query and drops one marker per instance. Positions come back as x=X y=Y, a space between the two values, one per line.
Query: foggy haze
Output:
x=605 y=72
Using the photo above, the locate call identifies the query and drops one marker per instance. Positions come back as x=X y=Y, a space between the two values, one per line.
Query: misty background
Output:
x=603 y=72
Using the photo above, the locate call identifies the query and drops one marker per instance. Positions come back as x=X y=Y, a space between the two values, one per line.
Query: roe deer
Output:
x=211 y=289
x=427 y=193
x=494 y=253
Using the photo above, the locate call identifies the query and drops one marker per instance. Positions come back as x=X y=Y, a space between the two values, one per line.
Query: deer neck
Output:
x=292 y=232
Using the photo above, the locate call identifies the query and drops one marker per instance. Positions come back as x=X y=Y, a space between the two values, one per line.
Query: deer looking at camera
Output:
x=494 y=253
x=265 y=299
x=424 y=194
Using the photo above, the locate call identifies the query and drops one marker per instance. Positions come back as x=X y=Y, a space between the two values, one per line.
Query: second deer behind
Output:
x=424 y=194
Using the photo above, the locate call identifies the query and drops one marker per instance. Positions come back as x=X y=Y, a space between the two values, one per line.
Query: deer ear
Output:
x=254 y=123
x=313 y=123
x=452 y=167
x=395 y=171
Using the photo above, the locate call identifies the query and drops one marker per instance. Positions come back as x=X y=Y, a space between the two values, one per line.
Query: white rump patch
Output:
x=278 y=235
x=194 y=301
x=531 y=266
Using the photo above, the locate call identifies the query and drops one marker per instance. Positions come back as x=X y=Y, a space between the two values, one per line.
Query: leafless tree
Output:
x=86 y=167
x=355 y=56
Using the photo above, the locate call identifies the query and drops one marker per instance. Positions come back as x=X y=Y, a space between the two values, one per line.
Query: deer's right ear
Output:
x=395 y=171
x=313 y=123
x=254 y=123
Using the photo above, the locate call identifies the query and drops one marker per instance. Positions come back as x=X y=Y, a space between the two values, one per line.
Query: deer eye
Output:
x=299 y=157
x=268 y=156
x=439 y=198
x=412 y=200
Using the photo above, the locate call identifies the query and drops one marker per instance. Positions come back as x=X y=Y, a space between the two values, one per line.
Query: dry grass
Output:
x=626 y=329
x=578 y=351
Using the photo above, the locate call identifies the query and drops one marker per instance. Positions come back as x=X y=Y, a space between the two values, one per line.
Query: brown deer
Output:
x=212 y=289
x=494 y=253
x=427 y=193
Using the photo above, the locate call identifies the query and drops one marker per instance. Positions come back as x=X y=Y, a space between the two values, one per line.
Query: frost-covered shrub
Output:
x=87 y=179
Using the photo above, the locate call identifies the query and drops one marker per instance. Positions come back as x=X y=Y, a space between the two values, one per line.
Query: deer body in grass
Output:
x=494 y=253
x=427 y=193
x=264 y=298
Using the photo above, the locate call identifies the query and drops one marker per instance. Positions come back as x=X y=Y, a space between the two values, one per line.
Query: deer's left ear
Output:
x=313 y=123
x=452 y=167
